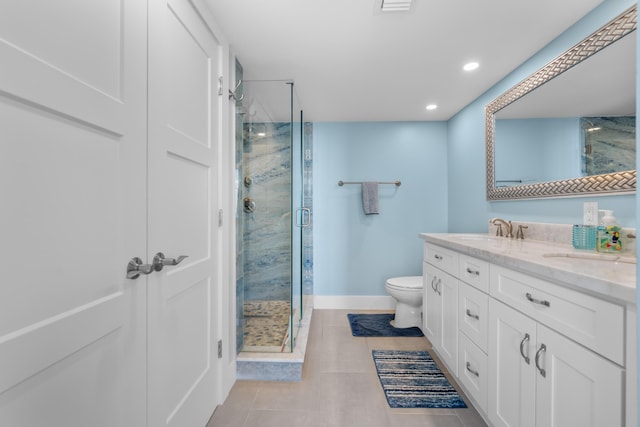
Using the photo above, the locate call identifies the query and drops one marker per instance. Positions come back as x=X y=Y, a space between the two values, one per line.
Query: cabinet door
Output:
x=448 y=346
x=579 y=387
x=431 y=304
x=511 y=375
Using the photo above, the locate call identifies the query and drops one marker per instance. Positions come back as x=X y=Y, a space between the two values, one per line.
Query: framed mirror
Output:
x=569 y=128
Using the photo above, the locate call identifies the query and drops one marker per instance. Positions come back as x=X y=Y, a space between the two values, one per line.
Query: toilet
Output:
x=407 y=291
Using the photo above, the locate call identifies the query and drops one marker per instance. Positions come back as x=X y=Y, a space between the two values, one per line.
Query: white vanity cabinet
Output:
x=539 y=378
x=546 y=377
x=529 y=352
x=440 y=303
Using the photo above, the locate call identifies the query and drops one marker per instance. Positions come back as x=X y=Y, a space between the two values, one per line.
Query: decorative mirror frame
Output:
x=620 y=182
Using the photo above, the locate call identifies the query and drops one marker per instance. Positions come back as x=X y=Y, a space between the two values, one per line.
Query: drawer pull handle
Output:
x=524 y=340
x=473 y=316
x=474 y=272
x=538 y=353
x=476 y=373
x=537 y=301
x=438 y=257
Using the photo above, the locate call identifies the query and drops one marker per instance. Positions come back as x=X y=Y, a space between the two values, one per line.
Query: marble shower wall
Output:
x=266 y=237
x=612 y=147
x=266 y=231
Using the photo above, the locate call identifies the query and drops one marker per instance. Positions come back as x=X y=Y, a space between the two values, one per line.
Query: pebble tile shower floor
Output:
x=266 y=325
x=340 y=387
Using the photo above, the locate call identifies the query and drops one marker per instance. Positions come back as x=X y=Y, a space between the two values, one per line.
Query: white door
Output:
x=184 y=130
x=72 y=197
x=512 y=340
x=579 y=387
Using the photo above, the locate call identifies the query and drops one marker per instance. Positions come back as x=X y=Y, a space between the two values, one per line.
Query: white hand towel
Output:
x=370 y=198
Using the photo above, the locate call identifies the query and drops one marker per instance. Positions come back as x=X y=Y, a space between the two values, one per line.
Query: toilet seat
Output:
x=409 y=283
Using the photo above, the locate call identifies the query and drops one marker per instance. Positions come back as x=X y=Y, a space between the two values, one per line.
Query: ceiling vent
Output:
x=396 y=5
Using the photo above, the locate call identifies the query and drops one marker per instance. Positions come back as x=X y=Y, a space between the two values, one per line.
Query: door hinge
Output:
x=219 y=349
x=220 y=217
x=220 y=84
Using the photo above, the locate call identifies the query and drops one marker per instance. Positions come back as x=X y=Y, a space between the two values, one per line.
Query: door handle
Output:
x=476 y=373
x=473 y=316
x=525 y=339
x=537 y=301
x=301 y=212
x=542 y=348
x=159 y=261
x=135 y=268
x=474 y=272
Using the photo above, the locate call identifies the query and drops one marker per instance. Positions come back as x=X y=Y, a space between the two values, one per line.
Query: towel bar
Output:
x=396 y=183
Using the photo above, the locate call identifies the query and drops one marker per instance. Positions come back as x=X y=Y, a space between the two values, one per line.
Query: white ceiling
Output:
x=351 y=62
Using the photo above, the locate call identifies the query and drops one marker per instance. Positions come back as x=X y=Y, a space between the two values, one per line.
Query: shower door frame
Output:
x=298 y=215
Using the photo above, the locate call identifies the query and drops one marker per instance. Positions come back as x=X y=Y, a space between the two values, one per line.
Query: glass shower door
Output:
x=269 y=196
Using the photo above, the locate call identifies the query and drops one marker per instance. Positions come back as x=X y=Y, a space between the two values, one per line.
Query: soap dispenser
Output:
x=608 y=233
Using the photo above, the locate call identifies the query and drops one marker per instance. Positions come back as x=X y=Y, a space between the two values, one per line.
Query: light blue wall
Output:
x=535 y=150
x=468 y=208
x=354 y=254
x=442 y=167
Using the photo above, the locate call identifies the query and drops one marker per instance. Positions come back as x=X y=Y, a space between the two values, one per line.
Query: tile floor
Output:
x=340 y=387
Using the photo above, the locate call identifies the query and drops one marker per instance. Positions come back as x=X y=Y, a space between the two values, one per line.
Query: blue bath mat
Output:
x=377 y=325
x=411 y=379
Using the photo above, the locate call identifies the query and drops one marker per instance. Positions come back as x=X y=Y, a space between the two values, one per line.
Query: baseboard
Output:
x=354 y=302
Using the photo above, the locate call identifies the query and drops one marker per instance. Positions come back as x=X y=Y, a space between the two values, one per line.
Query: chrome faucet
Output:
x=500 y=222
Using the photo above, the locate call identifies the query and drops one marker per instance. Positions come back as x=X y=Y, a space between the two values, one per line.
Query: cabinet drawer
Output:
x=445 y=259
x=473 y=370
x=473 y=309
x=474 y=271
x=592 y=322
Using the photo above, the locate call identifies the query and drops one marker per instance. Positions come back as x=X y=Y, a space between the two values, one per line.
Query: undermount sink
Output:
x=592 y=257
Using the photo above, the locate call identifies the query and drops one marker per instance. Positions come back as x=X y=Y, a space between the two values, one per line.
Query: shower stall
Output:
x=274 y=238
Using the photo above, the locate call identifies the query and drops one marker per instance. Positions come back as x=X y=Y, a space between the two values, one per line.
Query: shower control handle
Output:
x=249 y=205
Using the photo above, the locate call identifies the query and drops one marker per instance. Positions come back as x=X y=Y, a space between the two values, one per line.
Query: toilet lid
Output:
x=407 y=282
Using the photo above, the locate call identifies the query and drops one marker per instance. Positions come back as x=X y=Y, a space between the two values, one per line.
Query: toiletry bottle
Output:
x=608 y=234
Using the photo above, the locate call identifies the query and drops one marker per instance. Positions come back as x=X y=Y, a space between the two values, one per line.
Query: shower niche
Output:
x=274 y=258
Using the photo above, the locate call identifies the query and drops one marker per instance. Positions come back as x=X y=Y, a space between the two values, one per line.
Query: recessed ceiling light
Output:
x=470 y=66
x=431 y=107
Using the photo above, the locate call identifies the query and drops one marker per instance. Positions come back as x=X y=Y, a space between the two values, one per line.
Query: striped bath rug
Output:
x=411 y=379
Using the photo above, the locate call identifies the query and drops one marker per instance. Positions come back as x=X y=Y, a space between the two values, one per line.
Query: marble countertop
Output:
x=608 y=276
